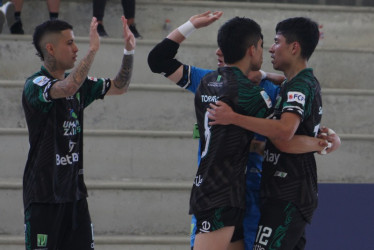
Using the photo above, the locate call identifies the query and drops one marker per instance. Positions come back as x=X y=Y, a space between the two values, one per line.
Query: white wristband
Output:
x=126 y=52
x=329 y=132
x=263 y=74
x=186 y=29
x=329 y=145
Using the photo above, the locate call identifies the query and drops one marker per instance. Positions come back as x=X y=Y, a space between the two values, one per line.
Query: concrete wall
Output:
x=139 y=155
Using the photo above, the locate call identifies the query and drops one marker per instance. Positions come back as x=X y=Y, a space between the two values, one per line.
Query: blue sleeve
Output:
x=271 y=89
x=191 y=77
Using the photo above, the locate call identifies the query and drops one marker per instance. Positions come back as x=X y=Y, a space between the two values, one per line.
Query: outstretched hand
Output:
x=128 y=35
x=205 y=19
x=220 y=114
x=94 y=36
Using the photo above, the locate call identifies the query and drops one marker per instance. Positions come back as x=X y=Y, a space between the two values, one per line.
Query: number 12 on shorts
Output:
x=263 y=234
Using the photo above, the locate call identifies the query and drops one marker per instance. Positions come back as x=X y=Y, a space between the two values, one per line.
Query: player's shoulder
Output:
x=304 y=78
x=199 y=71
x=37 y=80
x=233 y=75
x=211 y=75
x=197 y=74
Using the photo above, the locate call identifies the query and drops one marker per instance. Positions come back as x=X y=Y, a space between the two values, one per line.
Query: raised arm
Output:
x=121 y=82
x=71 y=84
x=162 y=60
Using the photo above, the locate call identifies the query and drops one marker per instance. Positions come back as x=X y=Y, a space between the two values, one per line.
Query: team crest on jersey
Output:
x=41 y=80
x=266 y=98
x=296 y=97
x=92 y=78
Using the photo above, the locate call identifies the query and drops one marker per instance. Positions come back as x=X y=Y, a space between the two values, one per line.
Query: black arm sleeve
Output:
x=161 y=58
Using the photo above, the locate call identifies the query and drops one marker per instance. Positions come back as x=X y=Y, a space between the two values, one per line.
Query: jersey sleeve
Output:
x=37 y=92
x=191 y=77
x=94 y=88
x=255 y=102
x=297 y=99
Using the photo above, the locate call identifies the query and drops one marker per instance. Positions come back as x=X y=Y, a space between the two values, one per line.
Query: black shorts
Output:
x=65 y=226
x=212 y=220
x=281 y=227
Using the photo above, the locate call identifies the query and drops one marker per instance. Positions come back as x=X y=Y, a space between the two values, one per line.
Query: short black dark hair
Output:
x=302 y=30
x=236 y=36
x=48 y=27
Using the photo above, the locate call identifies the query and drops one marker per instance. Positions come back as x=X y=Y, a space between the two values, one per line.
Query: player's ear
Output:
x=251 y=50
x=49 y=48
x=295 y=48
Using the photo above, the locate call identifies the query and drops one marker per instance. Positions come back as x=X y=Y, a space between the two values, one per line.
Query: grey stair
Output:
x=116 y=155
x=169 y=108
x=348 y=110
x=123 y=207
x=341 y=24
x=121 y=155
x=335 y=68
x=351 y=163
x=18 y=59
x=161 y=204
x=120 y=242
x=140 y=158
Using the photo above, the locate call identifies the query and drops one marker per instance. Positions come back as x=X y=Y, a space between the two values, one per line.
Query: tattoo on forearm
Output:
x=81 y=71
x=122 y=80
x=73 y=82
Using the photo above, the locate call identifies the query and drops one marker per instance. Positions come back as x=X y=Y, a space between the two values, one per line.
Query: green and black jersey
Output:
x=54 y=167
x=220 y=179
x=293 y=177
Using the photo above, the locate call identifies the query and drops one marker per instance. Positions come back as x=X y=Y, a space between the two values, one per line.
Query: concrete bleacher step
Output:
x=123 y=207
x=116 y=155
x=333 y=67
x=139 y=155
x=170 y=108
x=18 y=58
x=154 y=206
x=120 y=242
x=123 y=155
x=342 y=25
x=144 y=107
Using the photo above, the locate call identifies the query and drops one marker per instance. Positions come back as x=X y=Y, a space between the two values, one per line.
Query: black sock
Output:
x=53 y=15
x=17 y=16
